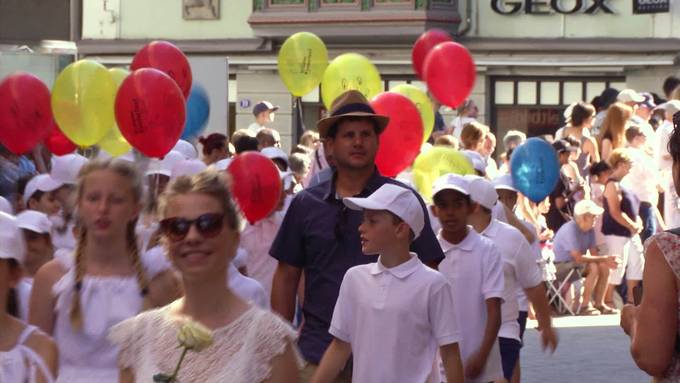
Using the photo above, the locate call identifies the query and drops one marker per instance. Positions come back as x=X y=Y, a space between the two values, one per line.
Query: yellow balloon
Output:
x=302 y=60
x=435 y=163
x=114 y=143
x=422 y=102
x=83 y=98
x=350 y=71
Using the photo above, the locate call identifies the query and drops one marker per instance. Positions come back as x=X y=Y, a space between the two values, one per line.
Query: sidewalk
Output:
x=591 y=349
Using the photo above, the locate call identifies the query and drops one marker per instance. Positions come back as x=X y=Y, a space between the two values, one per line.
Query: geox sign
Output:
x=547 y=7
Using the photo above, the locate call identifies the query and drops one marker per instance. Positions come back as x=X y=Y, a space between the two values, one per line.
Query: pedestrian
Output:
x=467 y=112
x=472 y=136
x=578 y=127
x=26 y=353
x=215 y=148
x=65 y=170
x=560 y=209
x=77 y=297
x=474 y=267
x=264 y=116
x=368 y=320
x=39 y=194
x=310 y=139
x=267 y=138
x=319 y=234
x=520 y=270
x=671 y=201
x=613 y=132
x=200 y=224
x=621 y=226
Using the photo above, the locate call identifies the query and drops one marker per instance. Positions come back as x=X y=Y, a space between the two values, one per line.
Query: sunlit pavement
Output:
x=592 y=349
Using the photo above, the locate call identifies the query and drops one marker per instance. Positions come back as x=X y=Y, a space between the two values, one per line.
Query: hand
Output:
x=628 y=318
x=636 y=228
x=549 y=339
x=474 y=365
x=611 y=261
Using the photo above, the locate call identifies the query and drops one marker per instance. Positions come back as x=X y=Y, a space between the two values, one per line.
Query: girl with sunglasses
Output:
x=200 y=226
x=26 y=354
x=78 y=297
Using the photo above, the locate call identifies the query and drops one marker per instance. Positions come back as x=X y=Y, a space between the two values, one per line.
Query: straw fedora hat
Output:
x=350 y=103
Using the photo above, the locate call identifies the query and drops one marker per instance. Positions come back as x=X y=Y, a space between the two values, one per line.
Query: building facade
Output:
x=533 y=57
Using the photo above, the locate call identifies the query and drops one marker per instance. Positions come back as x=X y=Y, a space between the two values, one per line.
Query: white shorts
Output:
x=630 y=254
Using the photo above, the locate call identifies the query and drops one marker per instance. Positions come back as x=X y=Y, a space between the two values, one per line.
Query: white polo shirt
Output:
x=474 y=269
x=394 y=320
x=520 y=270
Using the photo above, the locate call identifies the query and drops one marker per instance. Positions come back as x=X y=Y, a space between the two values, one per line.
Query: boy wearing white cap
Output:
x=392 y=315
x=519 y=269
x=39 y=194
x=65 y=169
x=473 y=266
x=36 y=228
x=575 y=247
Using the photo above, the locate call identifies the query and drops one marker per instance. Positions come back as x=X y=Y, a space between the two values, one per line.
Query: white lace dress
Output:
x=86 y=355
x=21 y=364
x=242 y=352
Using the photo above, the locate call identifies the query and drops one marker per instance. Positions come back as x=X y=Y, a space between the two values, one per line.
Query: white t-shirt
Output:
x=663 y=136
x=458 y=123
x=645 y=169
x=254 y=128
x=474 y=269
x=246 y=288
x=520 y=270
x=23 y=291
x=257 y=240
x=394 y=320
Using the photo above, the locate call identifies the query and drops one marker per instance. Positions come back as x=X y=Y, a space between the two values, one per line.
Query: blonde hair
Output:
x=210 y=182
x=619 y=156
x=472 y=134
x=614 y=124
x=447 y=140
x=129 y=172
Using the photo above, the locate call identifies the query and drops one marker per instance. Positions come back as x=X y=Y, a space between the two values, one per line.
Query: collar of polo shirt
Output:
x=491 y=231
x=467 y=244
x=402 y=271
x=372 y=185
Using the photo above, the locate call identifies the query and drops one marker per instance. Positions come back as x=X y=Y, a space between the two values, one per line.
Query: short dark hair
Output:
x=670 y=84
x=333 y=130
x=580 y=113
x=245 y=144
x=215 y=141
x=599 y=168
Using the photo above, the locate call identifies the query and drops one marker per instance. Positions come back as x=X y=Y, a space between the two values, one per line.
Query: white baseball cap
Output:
x=186 y=149
x=450 y=182
x=630 y=95
x=65 y=169
x=504 y=182
x=34 y=221
x=42 y=182
x=396 y=199
x=223 y=164
x=274 y=152
x=187 y=168
x=478 y=162
x=13 y=246
x=482 y=191
x=587 y=206
x=672 y=106
x=5 y=206
x=165 y=165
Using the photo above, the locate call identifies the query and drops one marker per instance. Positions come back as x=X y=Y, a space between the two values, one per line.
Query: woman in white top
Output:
x=78 y=297
x=26 y=354
x=201 y=232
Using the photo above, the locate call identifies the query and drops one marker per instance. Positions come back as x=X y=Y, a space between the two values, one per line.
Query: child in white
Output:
x=26 y=354
x=392 y=315
x=474 y=268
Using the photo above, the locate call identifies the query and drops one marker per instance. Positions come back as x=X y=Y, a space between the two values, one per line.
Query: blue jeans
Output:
x=648 y=220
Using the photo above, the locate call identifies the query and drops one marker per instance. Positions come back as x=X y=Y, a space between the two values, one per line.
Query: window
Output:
x=526 y=92
x=505 y=92
x=550 y=93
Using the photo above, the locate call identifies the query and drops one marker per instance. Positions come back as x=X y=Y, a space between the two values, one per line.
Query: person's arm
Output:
x=453 y=366
x=164 y=289
x=41 y=308
x=590 y=147
x=284 y=286
x=284 y=367
x=659 y=218
x=539 y=301
x=126 y=376
x=515 y=222
x=333 y=361
x=475 y=364
x=606 y=149
x=609 y=260
x=652 y=326
x=45 y=347
x=613 y=200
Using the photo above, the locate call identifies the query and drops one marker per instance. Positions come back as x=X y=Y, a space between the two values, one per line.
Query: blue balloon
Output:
x=535 y=169
x=198 y=112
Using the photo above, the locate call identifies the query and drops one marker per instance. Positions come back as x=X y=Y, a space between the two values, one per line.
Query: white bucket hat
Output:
x=13 y=246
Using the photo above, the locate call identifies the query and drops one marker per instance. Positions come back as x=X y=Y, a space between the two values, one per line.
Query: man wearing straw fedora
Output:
x=319 y=235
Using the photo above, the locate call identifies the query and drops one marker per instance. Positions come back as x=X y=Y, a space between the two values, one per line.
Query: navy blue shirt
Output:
x=320 y=235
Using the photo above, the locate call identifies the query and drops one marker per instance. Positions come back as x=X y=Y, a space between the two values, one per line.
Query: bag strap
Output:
x=675 y=231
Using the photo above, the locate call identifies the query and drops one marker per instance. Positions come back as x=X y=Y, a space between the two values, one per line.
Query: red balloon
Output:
x=58 y=143
x=450 y=73
x=256 y=185
x=400 y=142
x=25 y=112
x=150 y=111
x=167 y=58
x=424 y=45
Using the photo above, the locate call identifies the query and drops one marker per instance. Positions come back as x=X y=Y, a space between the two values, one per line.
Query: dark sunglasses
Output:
x=177 y=228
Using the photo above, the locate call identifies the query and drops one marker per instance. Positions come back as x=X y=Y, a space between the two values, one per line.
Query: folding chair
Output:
x=554 y=286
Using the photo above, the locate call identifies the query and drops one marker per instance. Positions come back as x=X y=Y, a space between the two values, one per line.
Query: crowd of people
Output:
x=353 y=276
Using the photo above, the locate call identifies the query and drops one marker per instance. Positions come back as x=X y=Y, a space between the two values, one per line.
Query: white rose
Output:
x=194 y=336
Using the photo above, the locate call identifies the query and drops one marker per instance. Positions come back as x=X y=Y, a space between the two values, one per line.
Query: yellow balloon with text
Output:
x=114 y=143
x=303 y=58
x=435 y=163
x=422 y=102
x=83 y=98
x=350 y=71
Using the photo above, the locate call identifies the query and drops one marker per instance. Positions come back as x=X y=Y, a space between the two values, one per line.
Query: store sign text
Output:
x=544 y=7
